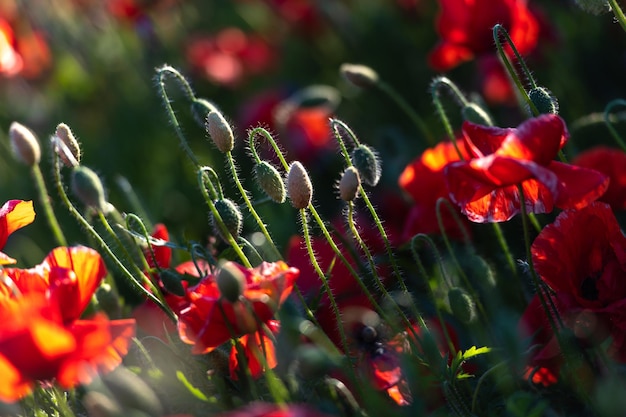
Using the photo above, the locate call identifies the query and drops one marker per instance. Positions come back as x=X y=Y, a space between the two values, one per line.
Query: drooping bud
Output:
x=220 y=131
x=108 y=300
x=544 y=100
x=359 y=75
x=349 y=184
x=71 y=156
x=87 y=187
x=462 y=305
x=299 y=187
x=172 y=282
x=366 y=161
x=594 y=6
x=476 y=114
x=24 y=144
x=270 y=181
x=231 y=216
x=230 y=281
x=479 y=272
x=200 y=109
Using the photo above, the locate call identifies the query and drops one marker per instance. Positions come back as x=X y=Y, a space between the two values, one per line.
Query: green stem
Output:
x=434 y=92
x=44 y=199
x=505 y=247
x=618 y=12
x=132 y=198
x=607 y=113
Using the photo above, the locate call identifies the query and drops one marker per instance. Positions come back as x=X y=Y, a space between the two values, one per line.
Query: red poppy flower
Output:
x=11 y=62
x=255 y=346
x=14 y=214
x=486 y=186
x=210 y=320
x=465 y=27
x=259 y=409
x=612 y=163
x=424 y=180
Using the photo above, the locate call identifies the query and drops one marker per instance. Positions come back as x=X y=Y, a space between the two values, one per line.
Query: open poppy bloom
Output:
x=486 y=186
x=42 y=337
x=14 y=214
x=211 y=320
x=465 y=27
x=612 y=163
x=255 y=346
x=260 y=409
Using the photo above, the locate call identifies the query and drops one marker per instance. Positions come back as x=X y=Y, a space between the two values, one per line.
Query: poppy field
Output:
x=300 y=208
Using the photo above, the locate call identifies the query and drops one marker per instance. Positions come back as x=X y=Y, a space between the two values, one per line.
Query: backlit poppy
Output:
x=612 y=163
x=14 y=214
x=486 y=186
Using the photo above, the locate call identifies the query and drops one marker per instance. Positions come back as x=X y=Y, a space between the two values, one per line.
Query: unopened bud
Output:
x=132 y=392
x=476 y=114
x=200 y=109
x=220 y=132
x=25 y=145
x=366 y=161
x=87 y=187
x=65 y=135
x=231 y=216
x=98 y=404
x=172 y=282
x=479 y=272
x=594 y=6
x=299 y=187
x=349 y=184
x=544 y=100
x=359 y=75
x=462 y=305
x=270 y=181
x=108 y=300
x=230 y=281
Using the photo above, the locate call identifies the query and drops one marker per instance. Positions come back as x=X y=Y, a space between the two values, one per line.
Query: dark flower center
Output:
x=588 y=288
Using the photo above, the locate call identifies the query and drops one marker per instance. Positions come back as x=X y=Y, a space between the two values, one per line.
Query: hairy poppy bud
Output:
x=200 y=109
x=299 y=187
x=479 y=271
x=366 y=161
x=230 y=281
x=462 y=305
x=349 y=184
x=220 y=132
x=108 y=300
x=172 y=282
x=87 y=187
x=476 y=114
x=359 y=75
x=270 y=181
x=231 y=216
x=71 y=156
x=24 y=143
x=544 y=100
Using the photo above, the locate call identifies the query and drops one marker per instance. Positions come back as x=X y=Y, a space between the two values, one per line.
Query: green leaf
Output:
x=474 y=351
x=193 y=390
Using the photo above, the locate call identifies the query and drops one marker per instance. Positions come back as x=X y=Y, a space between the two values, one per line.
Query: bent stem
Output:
x=44 y=199
x=434 y=92
x=607 y=113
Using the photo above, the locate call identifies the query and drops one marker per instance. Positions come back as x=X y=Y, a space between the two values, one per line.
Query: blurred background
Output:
x=91 y=64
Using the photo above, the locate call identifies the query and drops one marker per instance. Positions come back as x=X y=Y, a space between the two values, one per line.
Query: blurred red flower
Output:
x=259 y=409
x=465 y=27
x=43 y=338
x=211 y=320
x=14 y=214
x=612 y=163
x=424 y=181
x=486 y=186
x=254 y=346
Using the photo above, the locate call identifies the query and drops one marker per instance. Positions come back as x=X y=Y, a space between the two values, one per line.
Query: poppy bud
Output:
x=220 y=131
x=544 y=100
x=366 y=161
x=108 y=300
x=462 y=305
x=299 y=187
x=594 y=6
x=349 y=184
x=131 y=392
x=200 y=109
x=231 y=216
x=65 y=135
x=172 y=282
x=87 y=187
x=479 y=271
x=270 y=181
x=98 y=404
x=359 y=75
x=230 y=281
x=476 y=114
x=25 y=145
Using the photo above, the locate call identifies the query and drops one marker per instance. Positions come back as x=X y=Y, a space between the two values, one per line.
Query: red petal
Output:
x=538 y=139
x=446 y=56
x=14 y=214
x=612 y=163
x=162 y=254
x=483 y=140
x=578 y=186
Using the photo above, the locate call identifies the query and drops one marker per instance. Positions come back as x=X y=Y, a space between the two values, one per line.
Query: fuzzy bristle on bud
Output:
x=479 y=272
x=594 y=6
x=230 y=281
x=359 y=75
x=231 y=216
x=65 y=135
x=349 y=184
x=299 y=187
x=200 y=109
x=87 y=187
x=462 y=305
x=476 y=114
x=24 y=144
x=544 y=100
x=270 y=181
x=366 y=161
x=220 y=131
x=173 y=282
